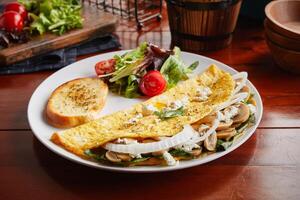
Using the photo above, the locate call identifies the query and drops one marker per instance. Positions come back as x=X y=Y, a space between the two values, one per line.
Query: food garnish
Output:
x=148 y=70
x=152 y=83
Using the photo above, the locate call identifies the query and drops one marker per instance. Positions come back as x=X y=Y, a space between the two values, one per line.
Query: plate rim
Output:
x=97 y=165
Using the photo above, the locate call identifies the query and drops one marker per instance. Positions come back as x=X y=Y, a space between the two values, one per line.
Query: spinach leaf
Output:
x=136 y=160
x=223 y=145
x=179 y=152
x=96 y=156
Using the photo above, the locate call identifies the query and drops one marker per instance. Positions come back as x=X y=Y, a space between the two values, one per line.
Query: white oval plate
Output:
x=85 y=68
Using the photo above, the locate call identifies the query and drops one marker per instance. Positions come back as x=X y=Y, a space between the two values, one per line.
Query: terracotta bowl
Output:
x=286 y=59
x=281 y=40
x=284 y=17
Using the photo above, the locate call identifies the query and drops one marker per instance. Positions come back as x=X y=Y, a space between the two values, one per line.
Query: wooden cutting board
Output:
x=96 y=23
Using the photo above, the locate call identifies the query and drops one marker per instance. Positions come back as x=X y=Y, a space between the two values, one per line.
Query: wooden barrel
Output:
x=202 y=25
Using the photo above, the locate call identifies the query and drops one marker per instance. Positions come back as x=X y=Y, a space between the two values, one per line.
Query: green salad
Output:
x=145 y=71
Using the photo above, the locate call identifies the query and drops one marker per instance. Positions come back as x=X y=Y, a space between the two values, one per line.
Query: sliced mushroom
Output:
x=196 y=152
x=124 y=157
x=246 y=89
x=235 y=125
x=210 y=142
x=226 y=134
x=150 y=161
x=117 y=157
x=206 y=120
x=111 y=156
x=243 y=114
x=252 y=101
x=224 y=125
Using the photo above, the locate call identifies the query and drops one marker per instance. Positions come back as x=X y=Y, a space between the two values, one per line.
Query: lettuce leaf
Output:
x=174 y=70
x=132 y=87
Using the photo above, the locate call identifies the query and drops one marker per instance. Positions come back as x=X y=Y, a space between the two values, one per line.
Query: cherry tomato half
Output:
x=11 y=21
x=19 y=8
x=105 y=67
x=152 y=83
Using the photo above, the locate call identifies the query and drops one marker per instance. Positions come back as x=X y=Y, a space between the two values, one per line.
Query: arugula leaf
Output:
x=166 y=114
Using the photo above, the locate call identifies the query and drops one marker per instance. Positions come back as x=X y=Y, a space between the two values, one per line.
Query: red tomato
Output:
x=11 y=21
x=153 y=83
x=105 y=67
x=19 y=8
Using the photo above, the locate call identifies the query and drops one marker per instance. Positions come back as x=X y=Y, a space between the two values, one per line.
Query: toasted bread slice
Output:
x=76 y=102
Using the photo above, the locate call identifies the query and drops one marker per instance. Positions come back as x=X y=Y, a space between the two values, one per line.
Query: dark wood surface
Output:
x=96 y=23
x=265 y=167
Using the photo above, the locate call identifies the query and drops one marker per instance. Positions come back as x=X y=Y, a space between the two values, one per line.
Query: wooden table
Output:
x=265 y=167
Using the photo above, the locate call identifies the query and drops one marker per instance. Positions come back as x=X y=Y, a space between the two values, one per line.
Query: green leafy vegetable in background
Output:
x=56 y=16
x=174 y=70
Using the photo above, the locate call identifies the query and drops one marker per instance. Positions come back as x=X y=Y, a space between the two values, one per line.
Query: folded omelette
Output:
x=117 y=125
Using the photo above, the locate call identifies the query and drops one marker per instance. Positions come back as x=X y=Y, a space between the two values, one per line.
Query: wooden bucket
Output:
x=202 y=25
